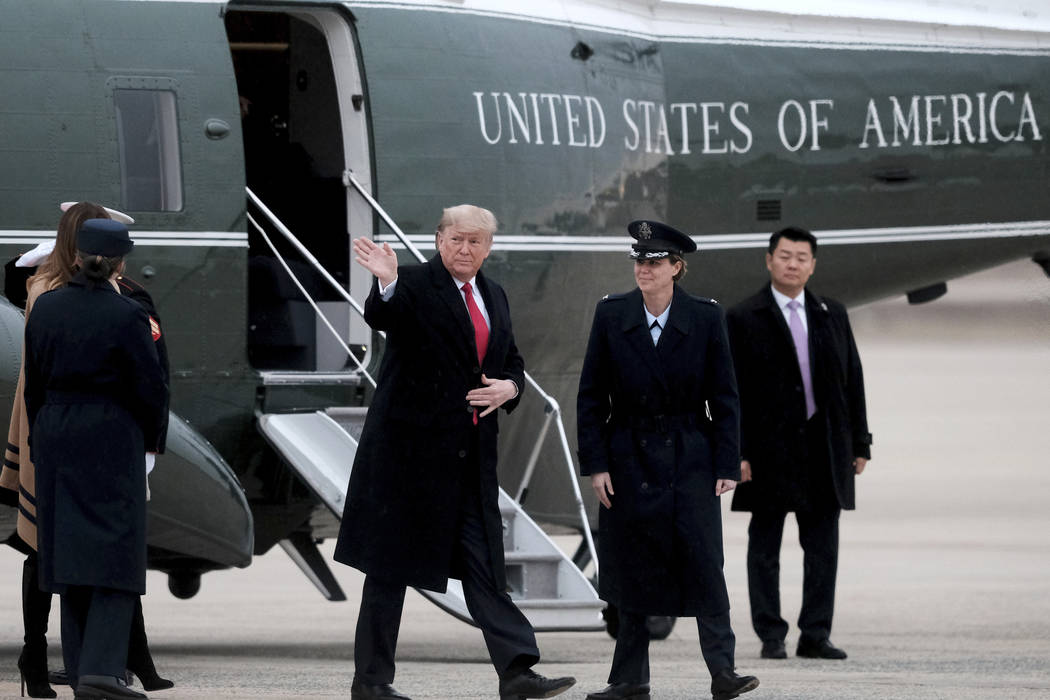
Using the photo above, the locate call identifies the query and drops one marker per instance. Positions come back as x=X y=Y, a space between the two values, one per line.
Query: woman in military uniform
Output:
x=658 y=420
x=95 y=401
x=50 y=266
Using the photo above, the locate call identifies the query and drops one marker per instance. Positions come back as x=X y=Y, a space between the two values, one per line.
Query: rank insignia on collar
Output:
x=644 y=232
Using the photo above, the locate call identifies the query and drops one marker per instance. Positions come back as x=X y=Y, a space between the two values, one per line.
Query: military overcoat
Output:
x=419 y=444
x=95 y=399
x=663 y=421
x=773 y=418
x=18 y=475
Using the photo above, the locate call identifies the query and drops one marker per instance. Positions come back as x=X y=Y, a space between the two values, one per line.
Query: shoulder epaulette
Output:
x=612 y=297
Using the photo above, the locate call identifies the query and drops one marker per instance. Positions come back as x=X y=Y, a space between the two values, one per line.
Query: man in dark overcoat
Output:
x=658 y=433
x=423 y=496
x=95 y=401
x=804 y=438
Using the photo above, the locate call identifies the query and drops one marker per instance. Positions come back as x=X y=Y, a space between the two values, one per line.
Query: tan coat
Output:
x=18 y=473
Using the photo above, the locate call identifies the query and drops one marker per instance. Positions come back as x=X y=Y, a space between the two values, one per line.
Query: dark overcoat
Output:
x=419 y=445
x=95 y=399
x=663 y=421
x=773 y=404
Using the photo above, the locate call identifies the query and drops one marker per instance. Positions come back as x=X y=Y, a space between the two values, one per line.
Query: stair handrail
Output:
x=550 y=404
x=279 y=225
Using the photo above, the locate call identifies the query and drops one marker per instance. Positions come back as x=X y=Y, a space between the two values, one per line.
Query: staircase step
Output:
x=515 y=556
x=560 y=603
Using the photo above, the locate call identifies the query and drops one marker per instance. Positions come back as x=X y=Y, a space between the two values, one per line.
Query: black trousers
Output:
x=818 y=533
x=96 y=623
x=631 y=659
x=508 y=635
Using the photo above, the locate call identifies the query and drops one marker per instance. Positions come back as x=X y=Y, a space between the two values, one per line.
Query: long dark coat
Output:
x=642 y=416
x=95 y=399
x=773 y=403
x=402 y=511
x=18 y=474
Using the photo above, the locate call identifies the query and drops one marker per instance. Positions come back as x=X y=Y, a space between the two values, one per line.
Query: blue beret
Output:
x=658 y=240
x=104 y=237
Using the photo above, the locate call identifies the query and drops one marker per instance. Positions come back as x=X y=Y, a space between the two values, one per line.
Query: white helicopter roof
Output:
x=1010 y=25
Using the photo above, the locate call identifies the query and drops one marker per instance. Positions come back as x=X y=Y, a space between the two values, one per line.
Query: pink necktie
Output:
x=798 y=334
x=481 y=331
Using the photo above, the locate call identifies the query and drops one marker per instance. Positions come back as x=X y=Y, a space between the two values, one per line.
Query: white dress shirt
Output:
x=783 y=300
x=655 y=331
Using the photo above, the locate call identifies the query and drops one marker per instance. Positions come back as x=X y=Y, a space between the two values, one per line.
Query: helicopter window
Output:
x=148 y=139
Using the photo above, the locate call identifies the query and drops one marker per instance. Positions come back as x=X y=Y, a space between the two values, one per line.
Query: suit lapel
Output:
x=638 y=336
x=499 y=320
x=679 y=324
x=817 y=317
x=448 y=291
x=776 y=317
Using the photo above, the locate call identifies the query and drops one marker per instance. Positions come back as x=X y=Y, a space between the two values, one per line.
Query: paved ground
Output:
x=944 y=587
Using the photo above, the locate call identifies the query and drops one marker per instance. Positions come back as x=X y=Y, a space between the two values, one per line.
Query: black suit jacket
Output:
x=419 y=449
x=773 y=408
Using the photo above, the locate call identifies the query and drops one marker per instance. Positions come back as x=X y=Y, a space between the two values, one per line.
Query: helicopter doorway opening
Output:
x=299 y=90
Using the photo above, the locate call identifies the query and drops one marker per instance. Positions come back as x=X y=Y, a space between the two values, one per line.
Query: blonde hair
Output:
x=61 y=264
x=469 y=218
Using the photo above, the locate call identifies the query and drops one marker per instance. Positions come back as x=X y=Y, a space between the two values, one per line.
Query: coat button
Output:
x=645 y=485
x=462 y=454
x=470 y=409
x=798 y=388
x=668 y=442
x=477 y=370
x=642 y=442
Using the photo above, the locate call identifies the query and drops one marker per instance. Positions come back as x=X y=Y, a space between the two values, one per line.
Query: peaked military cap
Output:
x=113 y=213
x=658 y=240
x=104 y=237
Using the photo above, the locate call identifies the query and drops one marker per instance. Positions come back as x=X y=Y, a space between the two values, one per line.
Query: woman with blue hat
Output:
x=95 y=400
x=658 y=426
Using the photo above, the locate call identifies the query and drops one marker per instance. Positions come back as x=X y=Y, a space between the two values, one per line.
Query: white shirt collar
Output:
x=460 y=283
x=783 y=299
x=661 y=319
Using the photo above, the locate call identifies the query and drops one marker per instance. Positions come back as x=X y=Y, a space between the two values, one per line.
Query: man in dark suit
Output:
x=423 y=498
x=804 y=437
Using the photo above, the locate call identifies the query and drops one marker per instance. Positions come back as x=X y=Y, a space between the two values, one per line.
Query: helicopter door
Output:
x=303 y=125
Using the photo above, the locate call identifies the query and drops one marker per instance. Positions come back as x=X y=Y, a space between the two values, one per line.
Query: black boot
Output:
x=140 y=662
x=36 y=608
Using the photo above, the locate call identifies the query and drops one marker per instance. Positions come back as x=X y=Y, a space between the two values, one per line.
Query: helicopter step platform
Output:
x=541 y=579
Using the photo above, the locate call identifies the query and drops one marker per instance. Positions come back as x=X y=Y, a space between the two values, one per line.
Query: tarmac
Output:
x=944 y=572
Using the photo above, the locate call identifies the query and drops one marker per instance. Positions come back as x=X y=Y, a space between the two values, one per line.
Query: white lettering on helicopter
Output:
x=726 y=128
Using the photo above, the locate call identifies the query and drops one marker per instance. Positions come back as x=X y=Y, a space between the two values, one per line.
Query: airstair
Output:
x=542 y=580
x=320 y=445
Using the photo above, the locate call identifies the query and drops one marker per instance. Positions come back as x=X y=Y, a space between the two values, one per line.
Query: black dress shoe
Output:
x=529 y=684
x=104 y=688
x=823 y=649
x=59 y=677
x=379 y=691
x=726 y=684
x=774 y=649
x=622 y=691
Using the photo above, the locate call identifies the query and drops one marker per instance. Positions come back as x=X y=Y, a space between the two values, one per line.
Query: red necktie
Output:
x=481 y=331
